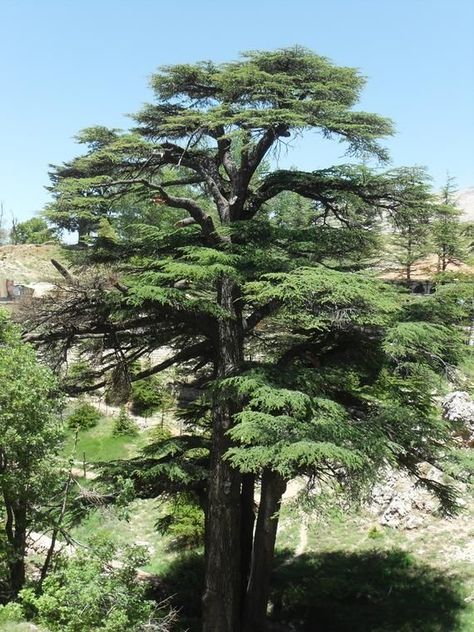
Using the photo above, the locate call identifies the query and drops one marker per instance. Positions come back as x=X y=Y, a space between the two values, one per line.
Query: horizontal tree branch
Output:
x=260 y=313
x=195 y=351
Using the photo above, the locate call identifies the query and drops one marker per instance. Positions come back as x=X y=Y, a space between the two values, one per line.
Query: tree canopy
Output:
x=307 y=362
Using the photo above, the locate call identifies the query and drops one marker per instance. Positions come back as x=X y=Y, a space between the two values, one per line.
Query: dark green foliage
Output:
x=84 y=416
x=451 y=303
x=291 y=87
x=124 y=424
x=166 y=467
x=147 y=396
x=410 y=223
x=447 y=232
x=183 y=520
x=159 y=433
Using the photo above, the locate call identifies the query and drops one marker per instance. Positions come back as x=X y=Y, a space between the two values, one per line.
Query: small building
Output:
x=11 y=291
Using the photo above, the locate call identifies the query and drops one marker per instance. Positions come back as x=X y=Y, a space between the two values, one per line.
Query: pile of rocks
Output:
x=397 y=502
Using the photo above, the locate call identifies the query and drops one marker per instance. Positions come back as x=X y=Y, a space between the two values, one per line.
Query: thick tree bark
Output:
x=247 y=526
x=222 y=594
x=83 y=232
x=255 y=612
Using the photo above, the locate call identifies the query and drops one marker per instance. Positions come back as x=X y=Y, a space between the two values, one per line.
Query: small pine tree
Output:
x=124 y=424
x=447 y=231
x=84 y=416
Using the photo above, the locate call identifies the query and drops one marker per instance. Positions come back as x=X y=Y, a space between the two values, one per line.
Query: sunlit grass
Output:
x=99 y=443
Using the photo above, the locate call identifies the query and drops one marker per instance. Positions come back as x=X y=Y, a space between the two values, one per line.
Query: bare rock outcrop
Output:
x=458 y=409
x=399 y=503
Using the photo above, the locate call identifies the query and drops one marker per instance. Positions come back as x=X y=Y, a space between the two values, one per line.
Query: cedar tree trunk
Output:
x=255 y=613
x=222 y=591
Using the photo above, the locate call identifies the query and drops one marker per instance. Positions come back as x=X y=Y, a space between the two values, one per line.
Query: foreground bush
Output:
x=92 y=593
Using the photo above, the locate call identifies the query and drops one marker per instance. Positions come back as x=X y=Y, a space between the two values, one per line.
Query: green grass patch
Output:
x=19 y=627
x=100 y=444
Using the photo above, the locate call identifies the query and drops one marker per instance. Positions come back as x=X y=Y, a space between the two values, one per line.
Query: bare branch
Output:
x=62 y=270
x=198 y=350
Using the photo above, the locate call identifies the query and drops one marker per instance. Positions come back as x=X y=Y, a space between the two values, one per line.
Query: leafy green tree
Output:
x=32 y=231
x=305 y=360
x=80 y=209
x=30 y=440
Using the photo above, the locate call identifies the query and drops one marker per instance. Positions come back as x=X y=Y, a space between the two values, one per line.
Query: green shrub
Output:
x=375 y=533
x=11 y=613
x=84 y=416
x=159 y=433
x=147 y=396
x=124 y=424
x=87 y=594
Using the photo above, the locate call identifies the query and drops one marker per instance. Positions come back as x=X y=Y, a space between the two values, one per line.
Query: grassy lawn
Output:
x=138 y=528
x=99 y=444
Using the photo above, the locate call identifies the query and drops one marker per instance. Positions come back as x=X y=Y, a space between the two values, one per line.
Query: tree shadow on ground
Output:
x=338 y=591
x=375 y=591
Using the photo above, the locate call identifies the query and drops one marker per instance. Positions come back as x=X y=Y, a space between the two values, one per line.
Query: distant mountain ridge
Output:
x=465 y=201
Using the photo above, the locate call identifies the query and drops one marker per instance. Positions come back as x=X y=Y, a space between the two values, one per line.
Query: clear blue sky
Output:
x=67 y=64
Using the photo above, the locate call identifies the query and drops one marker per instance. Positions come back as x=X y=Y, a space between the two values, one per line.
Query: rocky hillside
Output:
x=28 y=263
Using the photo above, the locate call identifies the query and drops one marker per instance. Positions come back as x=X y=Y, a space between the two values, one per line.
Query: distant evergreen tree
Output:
x=258 y=282
x=447 y=233
x=411 y=225
x=124 y=424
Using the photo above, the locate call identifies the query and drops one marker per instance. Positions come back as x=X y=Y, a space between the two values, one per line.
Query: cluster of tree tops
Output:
x=262 y=285
x=35 y=230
